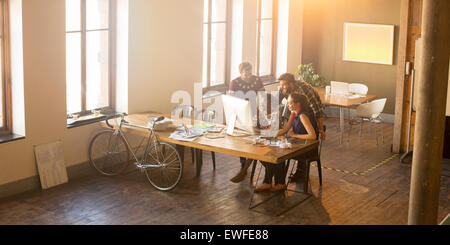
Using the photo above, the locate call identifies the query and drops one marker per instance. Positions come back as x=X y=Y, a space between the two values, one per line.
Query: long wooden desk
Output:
x=230 y=145
x=342 y=102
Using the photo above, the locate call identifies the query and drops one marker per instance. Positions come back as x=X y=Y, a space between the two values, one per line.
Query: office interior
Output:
x=159 y=49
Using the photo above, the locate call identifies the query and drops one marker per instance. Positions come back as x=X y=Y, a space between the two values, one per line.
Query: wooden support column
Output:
x=430 y=117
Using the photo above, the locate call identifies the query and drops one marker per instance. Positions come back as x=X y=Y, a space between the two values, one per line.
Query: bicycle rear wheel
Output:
x=165 y=166
x=108 y=153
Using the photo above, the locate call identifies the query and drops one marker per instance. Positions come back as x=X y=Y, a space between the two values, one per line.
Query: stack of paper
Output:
x=194 y=133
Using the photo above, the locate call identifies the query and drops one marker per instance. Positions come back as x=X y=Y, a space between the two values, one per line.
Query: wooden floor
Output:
x=347 y=197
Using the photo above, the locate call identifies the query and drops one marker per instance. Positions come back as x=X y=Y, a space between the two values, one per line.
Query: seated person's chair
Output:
x=311 y=157
x=369 y=112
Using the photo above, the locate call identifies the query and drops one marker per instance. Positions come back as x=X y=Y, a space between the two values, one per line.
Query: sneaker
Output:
x=264 y=187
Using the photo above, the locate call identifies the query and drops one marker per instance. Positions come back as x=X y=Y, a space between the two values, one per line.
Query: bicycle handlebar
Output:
x=159 y=119
x=122 y=115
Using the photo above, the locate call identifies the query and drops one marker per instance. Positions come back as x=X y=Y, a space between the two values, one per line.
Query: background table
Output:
x=342 y=102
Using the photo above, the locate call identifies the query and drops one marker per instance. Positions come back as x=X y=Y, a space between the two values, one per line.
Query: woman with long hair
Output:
x=301 y=125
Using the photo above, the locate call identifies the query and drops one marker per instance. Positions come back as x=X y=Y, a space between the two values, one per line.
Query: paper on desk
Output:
x=181 y=135
x=354 y=96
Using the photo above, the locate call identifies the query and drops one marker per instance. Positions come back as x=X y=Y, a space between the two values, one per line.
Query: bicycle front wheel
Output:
x=108 y=153
x=165 y=166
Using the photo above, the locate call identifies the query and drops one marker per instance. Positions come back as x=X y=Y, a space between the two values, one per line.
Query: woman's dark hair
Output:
x=304 y=103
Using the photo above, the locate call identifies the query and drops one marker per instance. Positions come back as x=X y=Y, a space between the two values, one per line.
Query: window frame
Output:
x=111 y=60
x=228 y=24
x=6 y=129
x=274 y=19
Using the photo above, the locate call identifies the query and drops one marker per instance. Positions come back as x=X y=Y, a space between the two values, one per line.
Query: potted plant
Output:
x=307 y=74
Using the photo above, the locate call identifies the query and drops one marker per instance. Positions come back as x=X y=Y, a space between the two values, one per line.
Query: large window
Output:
x=89 y=56
x=216 y=42
x=266 y=28
x=5 y=80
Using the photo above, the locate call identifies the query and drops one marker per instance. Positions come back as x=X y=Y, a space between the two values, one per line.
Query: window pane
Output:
x=97 y=69
x=219 y=10
x=205 y=54
x=1 y=87
x=218 y=44
x=266 y=8
x=73 y=72
x=265 y=61
x=205 y=10
x=73 y=15
x=97 y=14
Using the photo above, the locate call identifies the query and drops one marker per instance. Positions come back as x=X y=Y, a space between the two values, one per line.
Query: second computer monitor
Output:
x=238 y=112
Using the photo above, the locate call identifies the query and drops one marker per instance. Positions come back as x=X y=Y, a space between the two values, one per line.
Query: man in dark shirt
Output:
x=245 y=83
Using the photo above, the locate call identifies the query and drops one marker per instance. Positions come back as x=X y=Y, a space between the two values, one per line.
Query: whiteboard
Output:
x=369 y=43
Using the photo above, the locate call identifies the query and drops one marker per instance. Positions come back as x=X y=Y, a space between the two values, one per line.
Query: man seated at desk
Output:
x=245 y=83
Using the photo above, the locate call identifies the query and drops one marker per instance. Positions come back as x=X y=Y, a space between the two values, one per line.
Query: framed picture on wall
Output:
x=369 y=43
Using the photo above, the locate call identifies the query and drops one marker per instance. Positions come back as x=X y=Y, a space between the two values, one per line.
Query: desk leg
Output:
x=341 y=124
x=199 y=162
x=180 y=150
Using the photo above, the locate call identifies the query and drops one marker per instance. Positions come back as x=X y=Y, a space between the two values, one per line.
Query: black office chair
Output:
x=311 y=158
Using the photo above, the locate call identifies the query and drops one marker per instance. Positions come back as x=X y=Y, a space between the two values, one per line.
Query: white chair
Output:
x=369 y=112
x=358 y=88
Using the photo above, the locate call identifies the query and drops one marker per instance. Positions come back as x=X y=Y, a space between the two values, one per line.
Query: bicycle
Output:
x=109 y=154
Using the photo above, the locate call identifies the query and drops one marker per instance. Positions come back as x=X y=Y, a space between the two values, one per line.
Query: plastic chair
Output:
x=358 y=88
x=209 y=116
x=184 y=111
x=369 y=112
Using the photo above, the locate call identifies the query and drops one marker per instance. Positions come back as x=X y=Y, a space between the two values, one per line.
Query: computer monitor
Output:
x=339 y=88
x=238 y=114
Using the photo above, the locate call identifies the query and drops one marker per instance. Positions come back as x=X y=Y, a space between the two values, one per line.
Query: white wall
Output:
x=44 y=91
x=165 y=51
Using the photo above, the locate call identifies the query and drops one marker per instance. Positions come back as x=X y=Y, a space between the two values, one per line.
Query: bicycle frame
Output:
x=150 y=139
